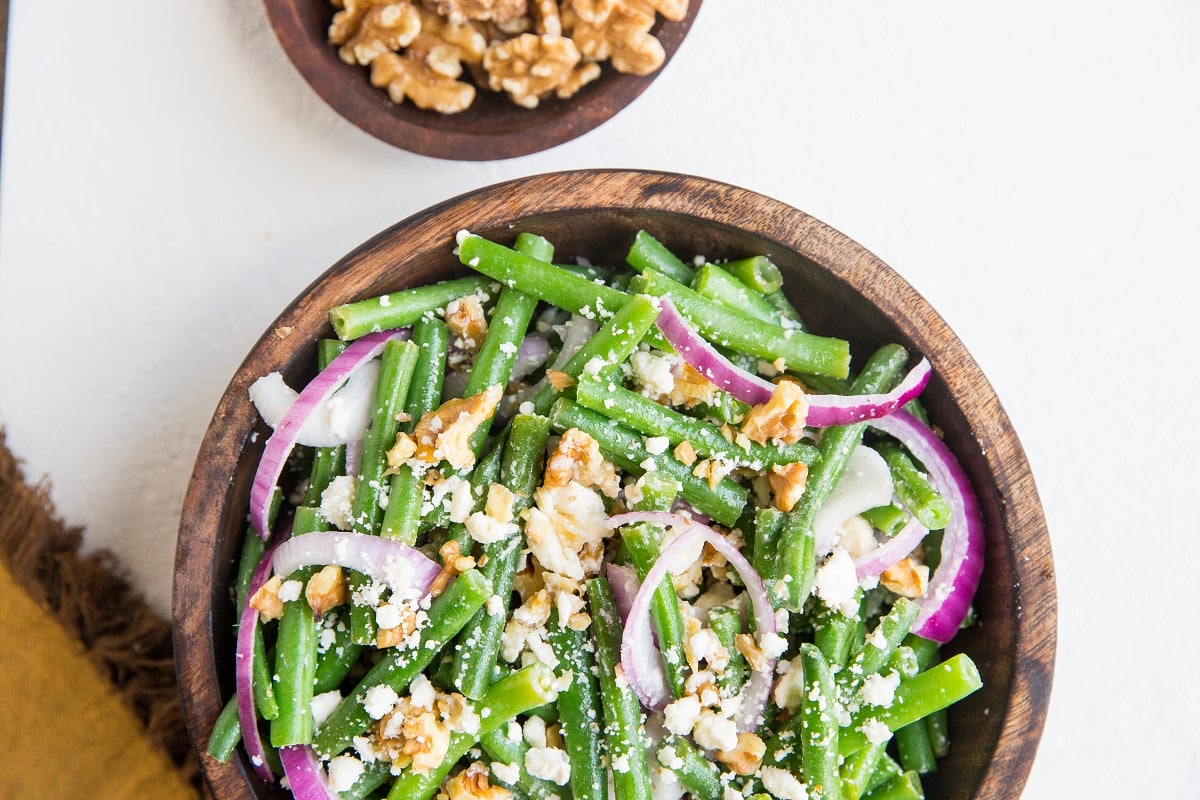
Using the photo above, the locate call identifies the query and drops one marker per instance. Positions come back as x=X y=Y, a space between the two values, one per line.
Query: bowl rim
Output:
x=516 y=132
x=708 y=201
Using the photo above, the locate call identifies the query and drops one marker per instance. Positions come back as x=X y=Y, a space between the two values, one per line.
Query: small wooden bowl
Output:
x=842 y=289
x=492 y=128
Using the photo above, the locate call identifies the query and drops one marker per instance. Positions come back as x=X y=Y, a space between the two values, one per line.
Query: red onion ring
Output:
x=625 y=585
x=824 y=410
x=305 y=776
x=638 y=636
x=874 y=563
x=243 y=670
x=319 y=389
x=953 y=585
x=532 y=353
x=379 y=558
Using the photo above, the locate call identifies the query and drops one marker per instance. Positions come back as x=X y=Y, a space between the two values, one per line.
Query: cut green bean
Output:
x=904 y=787
x=858 y=768
x=579 y=709
x=726 y=623
x=888 y=519
x=646 y=252
x=226 y=733
x=804 y=352
x=375 y=774
x=336 y=662
x=818 y=726
x=654 y=419
x=888 y=634
x=622 y=711
x=915 y=748
x=399 y=665
x=520 y=472
x=936 y=688
x=395 y=310
x=887 y=769
x=757 y=272
x=264 y=690
x=834 y=634
x=717 y=285
x=786 y=310
x=625 y=448
x=499 y=747
x=665 y=616
x=692 y=768
x=768 y=525
x=295 y=668
x=939 y=733
x=913 y=488
x=798 y=556
x=528 y=688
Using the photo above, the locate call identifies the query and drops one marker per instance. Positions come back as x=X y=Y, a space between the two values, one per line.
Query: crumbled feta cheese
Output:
x=880 y=689
x=323 y=705
x=486 y=529
x=290 y=590
x=548 y=763
x=495 y=605
x=681 y=715
x=654 y=373
x=535 y=732
x=656 y=445
x=783 y=784
x=379 y=700
x=344 y=771
x=836 y=582
x=506 y=773
x=337 y=501
x=388 y=616
x=461 y=501
x=876 y=731
x=422 y=692
x=526 y=407
x=714 y=732
x=773 y=645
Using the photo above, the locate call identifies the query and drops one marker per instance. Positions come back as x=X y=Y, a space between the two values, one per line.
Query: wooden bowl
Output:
x=492 y=128
x=842 y=289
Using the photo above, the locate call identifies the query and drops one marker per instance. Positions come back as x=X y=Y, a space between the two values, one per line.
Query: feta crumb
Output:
x=880 y=690
x=548 y=763
x=535 y=732
x=508 y=348
x=379 y=700
x=322 y=706
x=681 y=716
x=836 y=582
x=506 y=773
x=714 y=732
x=423 y=693
x=290 y=590
x=344 y=771
x=653 y=372
x=656 y=445
x=783 y=784
x=337 y=501
x=876 y=731
x=388 y=616
x=526 y=408
x=495 y=605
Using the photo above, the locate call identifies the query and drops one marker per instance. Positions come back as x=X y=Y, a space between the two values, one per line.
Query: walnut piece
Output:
x=530 y=67
x=325 y=590
x=616 y=30
x=266 y=600
x=404 y=76
x=787 y=484
x=498 y=11
x=445 y=433
x=366 y=29
x=465 y=319
x=411 y=736
x=472 y=784
x=444 y=46
x=906 y=577
x=745 y=758
x=453 y=565
x=577 y=458
x=781 y=418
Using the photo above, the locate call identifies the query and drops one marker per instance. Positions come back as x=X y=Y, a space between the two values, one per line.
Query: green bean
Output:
x=903 y=662
x=309 y=519
x=717 y=285
x=934 y=689
x=534 y=246
x=579 y=709
x=693 y=770
x=915 y=749
x=395 y=310
x=658 y=492
x=264 y=687
x=665 y=616
x=888 y=519
x=723 y=326
x=500 y=748
x=375 y=774
x=798 y=557
x=625 y=448
x=646 y=252
x=757 y=272
x=528 y=688
x=913 y=488
x=336 y=662
x=888 y=634
x=938 y=726
x=622 y=711
x=521 y=472
x=252 y=551
x=834 y=634
x=784 y=307
x=226 y=732
x=726 y=623
x=654 y=419
x=887 y=769
x=818 y=726
x=768 y=525
x=858 y=768
x=905 y=787
x=399 y=665
x=402 y=518
x=612 y=344
x=295 y=668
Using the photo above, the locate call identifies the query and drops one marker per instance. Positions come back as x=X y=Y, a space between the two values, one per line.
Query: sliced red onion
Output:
x=649 y=664
x=532 y=353
x=318 y=390
x=243 y=670
x=341 y=418
x=408 y=571
x=575 y=333
x=306 y=777
x=874 y=563
x=625 y=585
x=824 y=410
x=638 y=636
x=354 y=452
x=865 y=483
x=952 y=587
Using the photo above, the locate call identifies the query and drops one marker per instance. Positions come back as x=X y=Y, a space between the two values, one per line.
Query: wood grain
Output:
x=843 y=290
x=492 y=128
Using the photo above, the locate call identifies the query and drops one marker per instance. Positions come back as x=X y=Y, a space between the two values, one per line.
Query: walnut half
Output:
x=530 y=68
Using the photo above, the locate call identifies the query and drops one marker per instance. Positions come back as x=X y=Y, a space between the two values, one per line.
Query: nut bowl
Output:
x=492 y=128
x=848 y=292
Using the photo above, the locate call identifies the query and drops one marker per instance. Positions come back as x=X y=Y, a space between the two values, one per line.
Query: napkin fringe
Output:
x=90 y=597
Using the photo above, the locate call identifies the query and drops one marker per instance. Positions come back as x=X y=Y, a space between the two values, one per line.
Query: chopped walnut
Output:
x=404 y=76
x=787 y=484
x=563 y=522
x=410 y=736
x=525 y=620
x=266 y=600
x=559 y=380
x=745 y=758
x=531 y=67
x=906 y=577
x=472 y=784
x=713 y=470
x=397 y=634
x=499 y=504
x=325 y=590
x=548 y=18
x=366 y=29
x=744 y=643
x=685 y=453
x=779 y=419
x=453 y=565
x=466 y=320
x=577 y=458
x=499 y=11
x=615 y=29
x=445 y=433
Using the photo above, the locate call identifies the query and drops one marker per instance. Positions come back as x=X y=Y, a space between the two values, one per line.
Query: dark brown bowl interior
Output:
x=492 y=128
x=841 y=288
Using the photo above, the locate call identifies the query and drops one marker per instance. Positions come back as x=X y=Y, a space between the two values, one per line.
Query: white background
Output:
x=169 y=183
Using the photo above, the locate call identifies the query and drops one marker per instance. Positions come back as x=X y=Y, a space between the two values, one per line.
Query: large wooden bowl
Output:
x=842 y=289
x=492 y=128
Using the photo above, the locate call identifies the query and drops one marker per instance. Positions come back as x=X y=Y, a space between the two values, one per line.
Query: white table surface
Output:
x=169 y=182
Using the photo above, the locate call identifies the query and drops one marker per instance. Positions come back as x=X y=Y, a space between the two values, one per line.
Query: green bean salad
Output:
x=565 y=530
